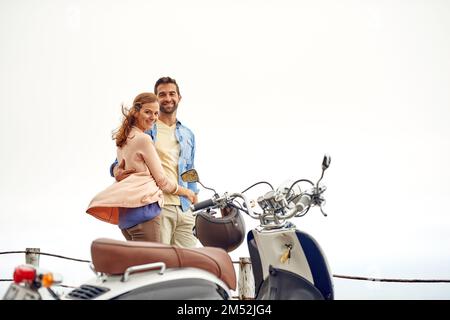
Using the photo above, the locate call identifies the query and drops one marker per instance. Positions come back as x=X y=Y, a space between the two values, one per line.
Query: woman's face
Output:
x=147 y=116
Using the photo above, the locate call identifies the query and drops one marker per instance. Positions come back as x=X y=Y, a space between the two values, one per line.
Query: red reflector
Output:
x=24 y=273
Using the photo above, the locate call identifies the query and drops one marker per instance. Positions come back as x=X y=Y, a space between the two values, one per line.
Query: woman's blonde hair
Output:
x=130 y=116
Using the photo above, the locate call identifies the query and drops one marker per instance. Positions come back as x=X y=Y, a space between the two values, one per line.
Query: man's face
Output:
x=168 y=97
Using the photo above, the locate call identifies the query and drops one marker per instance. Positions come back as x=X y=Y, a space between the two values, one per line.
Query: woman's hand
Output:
x=185 y=192
x=191 y=196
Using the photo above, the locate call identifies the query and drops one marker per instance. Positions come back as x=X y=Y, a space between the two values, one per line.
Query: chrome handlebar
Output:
x=278 y=205
x=277 y=209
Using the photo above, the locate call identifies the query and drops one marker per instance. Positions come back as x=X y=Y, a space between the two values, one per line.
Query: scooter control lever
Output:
x=321 y=210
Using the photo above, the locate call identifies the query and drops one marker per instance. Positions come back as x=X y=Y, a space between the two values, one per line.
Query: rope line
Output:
x=393 y=280
x=57 y=285
x=47 y=254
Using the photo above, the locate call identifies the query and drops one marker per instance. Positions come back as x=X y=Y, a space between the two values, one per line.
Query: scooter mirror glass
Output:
x=326 y=162
x=190 y=176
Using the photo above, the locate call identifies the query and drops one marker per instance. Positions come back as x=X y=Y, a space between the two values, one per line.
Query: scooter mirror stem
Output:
x=211 y=189
x=191 y=175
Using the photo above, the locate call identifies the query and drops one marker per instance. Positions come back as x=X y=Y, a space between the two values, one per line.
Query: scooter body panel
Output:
x=286 y=285
x=268 y=248
x=173 y=284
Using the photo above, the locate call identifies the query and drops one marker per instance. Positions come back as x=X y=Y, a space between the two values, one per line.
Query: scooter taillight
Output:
x=24 y=274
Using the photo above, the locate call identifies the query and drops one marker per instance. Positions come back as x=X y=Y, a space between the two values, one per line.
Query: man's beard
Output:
x=168 y=109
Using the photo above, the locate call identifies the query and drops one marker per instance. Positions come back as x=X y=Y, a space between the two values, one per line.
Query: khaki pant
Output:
x=176 y=227
x=145 y=231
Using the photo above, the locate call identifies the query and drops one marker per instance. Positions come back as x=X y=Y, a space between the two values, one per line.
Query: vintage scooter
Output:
x=132 y=270
x=287 y=263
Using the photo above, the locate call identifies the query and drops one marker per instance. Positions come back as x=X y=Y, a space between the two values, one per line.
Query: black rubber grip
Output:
x=203 y=205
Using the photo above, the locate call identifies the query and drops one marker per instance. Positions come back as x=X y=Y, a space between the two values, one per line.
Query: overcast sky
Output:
x=268 y=87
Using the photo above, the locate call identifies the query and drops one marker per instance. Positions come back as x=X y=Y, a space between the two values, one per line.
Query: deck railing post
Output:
x=32 y=256
x=246 y=283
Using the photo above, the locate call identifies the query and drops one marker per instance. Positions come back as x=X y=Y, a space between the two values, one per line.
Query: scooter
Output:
x=287 y=263
x=132 y=270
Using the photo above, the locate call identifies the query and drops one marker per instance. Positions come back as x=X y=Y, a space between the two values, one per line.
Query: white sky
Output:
x=268 y=87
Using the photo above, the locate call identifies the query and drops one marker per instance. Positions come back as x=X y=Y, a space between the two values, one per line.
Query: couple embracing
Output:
x=149 y=201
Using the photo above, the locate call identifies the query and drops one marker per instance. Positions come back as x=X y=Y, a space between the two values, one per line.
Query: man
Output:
x=175 y=145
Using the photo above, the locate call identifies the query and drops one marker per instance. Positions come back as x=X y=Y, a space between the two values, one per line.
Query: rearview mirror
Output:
x=190 y=176
x=326 y=161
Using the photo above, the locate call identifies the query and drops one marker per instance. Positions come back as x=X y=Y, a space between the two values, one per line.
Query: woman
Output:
x=135 y=203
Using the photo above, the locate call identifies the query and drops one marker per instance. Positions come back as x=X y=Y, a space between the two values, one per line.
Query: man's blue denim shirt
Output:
x=186 y=139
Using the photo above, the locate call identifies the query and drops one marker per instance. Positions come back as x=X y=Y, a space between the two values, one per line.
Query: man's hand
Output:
x=120 y=173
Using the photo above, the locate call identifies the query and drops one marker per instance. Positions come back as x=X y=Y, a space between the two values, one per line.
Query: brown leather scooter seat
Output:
x=114 y=257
